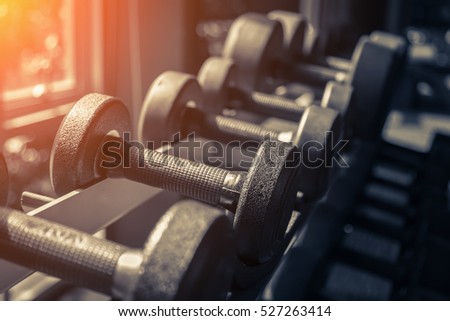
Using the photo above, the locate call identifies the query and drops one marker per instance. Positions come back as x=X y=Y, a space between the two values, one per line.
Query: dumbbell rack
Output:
x=391 y=214
x=371 y=237
x=384 y=236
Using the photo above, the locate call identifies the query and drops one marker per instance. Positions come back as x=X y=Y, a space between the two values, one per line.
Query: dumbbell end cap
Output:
x=164 y=108
x=266 y=202
x=188 y=256
x=318 y=131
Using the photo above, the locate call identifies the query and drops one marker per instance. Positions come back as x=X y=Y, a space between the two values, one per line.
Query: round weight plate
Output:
x=294 y=28
x=319 y=129
x=254 y=42
x=188 y=256
x=4 y=181
x=338 y=96
x=79 y=139
x=371 y=79
x=266 y=202
x=165 y=105
x=216 y=76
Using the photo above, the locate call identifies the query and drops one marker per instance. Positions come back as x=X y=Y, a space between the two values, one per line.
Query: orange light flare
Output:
x=25 y=27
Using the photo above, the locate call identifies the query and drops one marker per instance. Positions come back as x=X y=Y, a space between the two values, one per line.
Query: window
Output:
x=45 y=54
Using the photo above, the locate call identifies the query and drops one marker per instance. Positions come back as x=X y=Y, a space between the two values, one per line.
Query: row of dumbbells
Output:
x=262 y=58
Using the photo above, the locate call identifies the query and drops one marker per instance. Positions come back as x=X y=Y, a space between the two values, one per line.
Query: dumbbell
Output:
x=294 y=28
x=187 y=256
x=196 y=236
x=356 y=70
x=221 y=91
x=174 y=104
x=298 y=36
x=303 y=37
x=218 y=78
x=290 y=29
x=255 y=43
x=261 y=199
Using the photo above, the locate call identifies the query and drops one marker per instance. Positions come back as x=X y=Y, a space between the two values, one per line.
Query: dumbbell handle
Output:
x=271 y=105
x=316 y=74
x=339 y=69
x=229 y=129
x=205 y=183
x=60 y=251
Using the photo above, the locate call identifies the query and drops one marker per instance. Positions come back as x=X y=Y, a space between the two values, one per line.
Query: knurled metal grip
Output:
x=66 y=253
x=201 y=182
x=234 y=128
x=275 y=105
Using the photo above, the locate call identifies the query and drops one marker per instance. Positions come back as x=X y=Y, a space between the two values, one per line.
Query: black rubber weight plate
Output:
x=266 y=202
x=370 y=80
x=79 y=138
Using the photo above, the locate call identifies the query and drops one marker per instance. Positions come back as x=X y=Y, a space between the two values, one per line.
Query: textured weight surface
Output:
x=266 y=202
x=216 y=76
x=319 y=127
x=188 y=255
x=76 y=146
x=253 y=42
x=4 y=181
x=76 y=257
x=294 y=30
x=165 y=104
